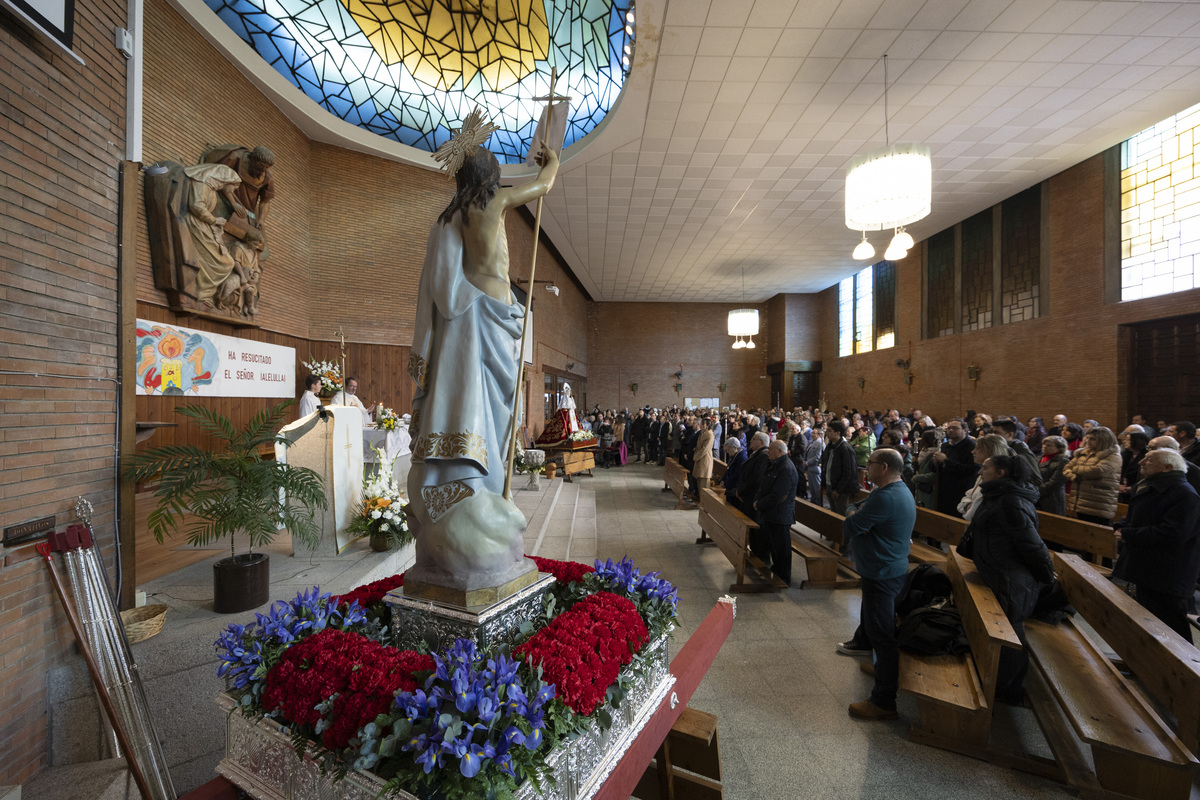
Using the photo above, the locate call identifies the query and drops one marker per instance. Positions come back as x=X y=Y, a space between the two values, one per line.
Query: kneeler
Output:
x=688 y=764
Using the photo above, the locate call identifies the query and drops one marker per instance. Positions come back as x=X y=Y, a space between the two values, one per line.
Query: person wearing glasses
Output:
x=878 y=534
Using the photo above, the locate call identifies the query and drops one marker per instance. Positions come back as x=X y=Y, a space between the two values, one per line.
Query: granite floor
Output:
x=777 y=687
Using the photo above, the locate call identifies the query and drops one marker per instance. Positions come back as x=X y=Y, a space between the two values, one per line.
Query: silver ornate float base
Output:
x=260 y=760
x=438 y=625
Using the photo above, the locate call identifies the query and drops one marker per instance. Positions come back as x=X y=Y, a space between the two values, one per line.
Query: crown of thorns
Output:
x=475 y=131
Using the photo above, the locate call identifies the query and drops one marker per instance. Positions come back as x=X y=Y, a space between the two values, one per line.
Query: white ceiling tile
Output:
x=673 y=68
x=795 y=43
x=730 y=12
x=746 y=68
x=718 y=41
x=710 y=68
x=758 y=41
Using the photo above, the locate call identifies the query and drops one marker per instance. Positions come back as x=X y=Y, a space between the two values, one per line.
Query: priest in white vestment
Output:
x=349 y=397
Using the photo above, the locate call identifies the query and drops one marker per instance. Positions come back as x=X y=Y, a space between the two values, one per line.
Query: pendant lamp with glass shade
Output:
x=743 y=322
x=888 y=188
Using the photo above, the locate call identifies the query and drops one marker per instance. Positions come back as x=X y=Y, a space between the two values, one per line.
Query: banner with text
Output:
x=180 y=361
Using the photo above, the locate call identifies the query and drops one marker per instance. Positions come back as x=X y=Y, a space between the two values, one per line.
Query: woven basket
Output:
x=142 y=623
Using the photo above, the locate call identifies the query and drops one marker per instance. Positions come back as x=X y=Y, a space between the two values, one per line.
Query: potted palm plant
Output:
x=234 y=490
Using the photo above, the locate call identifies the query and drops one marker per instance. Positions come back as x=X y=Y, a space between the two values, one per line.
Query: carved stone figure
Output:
x=465 y=363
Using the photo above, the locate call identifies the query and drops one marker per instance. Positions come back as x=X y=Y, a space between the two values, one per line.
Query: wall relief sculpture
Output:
x=208 y=230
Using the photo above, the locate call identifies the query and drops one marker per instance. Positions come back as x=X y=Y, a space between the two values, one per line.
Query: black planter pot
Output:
x=241 y=583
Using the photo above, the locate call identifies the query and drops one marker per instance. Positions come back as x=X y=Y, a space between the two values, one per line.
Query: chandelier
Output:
x=888 y=188
x=743 y=322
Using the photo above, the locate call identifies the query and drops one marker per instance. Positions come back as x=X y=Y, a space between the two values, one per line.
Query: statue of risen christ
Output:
x=465 y=361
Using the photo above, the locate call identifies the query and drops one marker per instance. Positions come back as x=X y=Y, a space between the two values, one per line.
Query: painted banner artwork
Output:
x=181 y=361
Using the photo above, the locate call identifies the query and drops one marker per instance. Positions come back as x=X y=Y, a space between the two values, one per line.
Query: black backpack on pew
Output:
x=931 y=624
x=923 y=585
x=933 y=630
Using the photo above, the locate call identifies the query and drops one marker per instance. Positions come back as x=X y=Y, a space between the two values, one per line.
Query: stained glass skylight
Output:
x=410 y=70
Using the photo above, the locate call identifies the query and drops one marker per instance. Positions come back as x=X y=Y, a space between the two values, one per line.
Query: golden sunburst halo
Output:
x=475 y=130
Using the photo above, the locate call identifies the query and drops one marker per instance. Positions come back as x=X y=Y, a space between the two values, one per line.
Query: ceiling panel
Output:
x=729 y=149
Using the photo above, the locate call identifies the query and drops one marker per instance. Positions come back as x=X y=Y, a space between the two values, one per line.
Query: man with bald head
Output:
x=775 y=503
x=1160 y=539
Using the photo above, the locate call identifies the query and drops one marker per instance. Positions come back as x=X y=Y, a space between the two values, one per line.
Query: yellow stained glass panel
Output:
x=443 y=42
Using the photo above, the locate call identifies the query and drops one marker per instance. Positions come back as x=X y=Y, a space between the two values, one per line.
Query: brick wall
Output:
x=1066 y=362
x=645 y=343
x=62 y=134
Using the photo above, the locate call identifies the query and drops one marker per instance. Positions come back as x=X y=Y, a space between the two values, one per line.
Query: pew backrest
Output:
x=827 y=523
x=943 y=527
x=1164 y=662
x=1098 y=540
x=983 y=620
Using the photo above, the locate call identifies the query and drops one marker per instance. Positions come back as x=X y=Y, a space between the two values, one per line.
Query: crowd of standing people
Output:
x=996 y=472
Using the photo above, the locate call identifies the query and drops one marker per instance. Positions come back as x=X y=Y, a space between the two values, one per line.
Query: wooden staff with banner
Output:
x=544 y=128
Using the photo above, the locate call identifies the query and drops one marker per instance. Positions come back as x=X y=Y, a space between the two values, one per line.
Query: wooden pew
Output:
x=730 y=529
x=1134 y=751
x=957 y=694
x=676 y=477
x=719 y=468
x=1098 y=541
x=934 y=525
x=823 y=561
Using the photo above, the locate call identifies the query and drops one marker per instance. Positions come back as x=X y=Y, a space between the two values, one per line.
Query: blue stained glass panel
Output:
x=355 y=73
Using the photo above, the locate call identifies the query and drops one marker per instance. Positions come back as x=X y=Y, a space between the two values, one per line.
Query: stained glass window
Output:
x=939 y=302
x=977 y=247
x=866 y=300
x=1021 y=255
x=863 y=297
x=1160 y=208
x=410 y=70
x=885 y=304
x=846 y=316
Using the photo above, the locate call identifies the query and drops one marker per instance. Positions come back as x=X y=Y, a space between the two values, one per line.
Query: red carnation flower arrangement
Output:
x=583 y=649
x=370 y=594
x=364 y=674
x=563 y=571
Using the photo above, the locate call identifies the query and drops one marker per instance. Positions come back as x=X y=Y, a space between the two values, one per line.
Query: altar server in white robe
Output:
x=309 y=402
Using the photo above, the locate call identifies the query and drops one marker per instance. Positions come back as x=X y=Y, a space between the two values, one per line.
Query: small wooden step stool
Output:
x=688 y=765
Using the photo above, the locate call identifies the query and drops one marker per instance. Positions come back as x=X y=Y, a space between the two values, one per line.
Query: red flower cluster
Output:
x=583 y=649
x=365 y=674
x=369 y=594
x=563 y=571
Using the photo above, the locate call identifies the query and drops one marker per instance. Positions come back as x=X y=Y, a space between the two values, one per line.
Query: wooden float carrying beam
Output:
x=689 y=668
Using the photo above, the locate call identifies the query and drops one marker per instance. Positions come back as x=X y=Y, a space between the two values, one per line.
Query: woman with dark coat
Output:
x=1052 y=484
x=1011 y=558
x=735 y=458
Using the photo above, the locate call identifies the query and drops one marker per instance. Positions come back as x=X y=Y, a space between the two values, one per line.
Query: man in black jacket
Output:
x=637 y=435
x=839 y=468
x=664 y=438
x=776 y=506
x=1161 y=543
x=752 y=475
x=956 y=467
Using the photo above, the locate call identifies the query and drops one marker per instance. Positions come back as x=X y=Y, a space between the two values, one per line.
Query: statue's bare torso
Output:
x=485 y=240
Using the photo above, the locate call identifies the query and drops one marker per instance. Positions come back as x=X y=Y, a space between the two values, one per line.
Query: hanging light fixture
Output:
x=888 y=188
x=743 y=321
x=864 y=250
